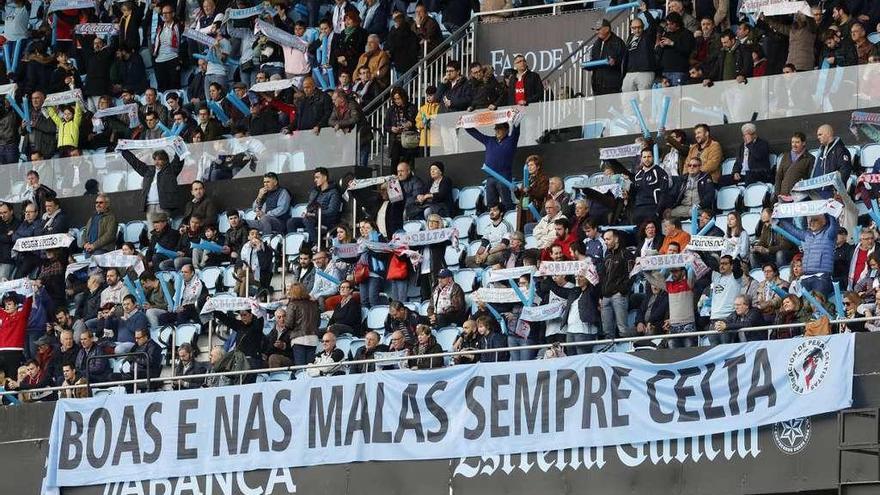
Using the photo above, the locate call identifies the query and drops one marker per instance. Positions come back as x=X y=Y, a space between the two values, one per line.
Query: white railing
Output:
x=726 y=102
x=279 y=153
x=768 y=329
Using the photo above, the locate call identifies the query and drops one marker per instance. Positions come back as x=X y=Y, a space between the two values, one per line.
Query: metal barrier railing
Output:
x=108 y=357
x=397 y=359
x=429 y=70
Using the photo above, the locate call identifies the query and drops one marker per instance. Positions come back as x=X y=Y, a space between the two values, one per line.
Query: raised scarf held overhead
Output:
x=280 y=36
x=131 y=109
x=174 y=144
x=70 y=5
x=200 y=37
x=808 y=209
x=97 y=28
x=55 y=99
x=485 y=118
x=425 y=237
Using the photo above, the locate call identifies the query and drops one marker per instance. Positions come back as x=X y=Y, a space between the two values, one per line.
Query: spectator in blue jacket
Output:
x=324 y=197
x=132 y=319
x=818 y=248
x=499 y=157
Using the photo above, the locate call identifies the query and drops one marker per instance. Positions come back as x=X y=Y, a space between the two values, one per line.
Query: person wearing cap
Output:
x=500 y=150
x=607 y=79
x=447 y=306
x=262 y=120
x=249 y=336
x=674 y=47
x=161 y=235
x=159 y=191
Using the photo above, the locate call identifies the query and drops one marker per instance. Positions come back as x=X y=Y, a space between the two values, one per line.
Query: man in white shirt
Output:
x=545 y=231
x=493 y=234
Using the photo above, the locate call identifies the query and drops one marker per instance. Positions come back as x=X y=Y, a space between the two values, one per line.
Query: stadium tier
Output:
x=440 y=247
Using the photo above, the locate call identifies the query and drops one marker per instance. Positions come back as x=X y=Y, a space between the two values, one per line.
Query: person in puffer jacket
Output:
x=818 y=248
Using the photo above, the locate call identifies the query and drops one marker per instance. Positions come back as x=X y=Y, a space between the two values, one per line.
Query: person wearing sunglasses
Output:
x=99 y=234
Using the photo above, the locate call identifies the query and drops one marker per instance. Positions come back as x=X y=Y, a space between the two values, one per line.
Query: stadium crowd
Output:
x=55 y=329
x=190 y=68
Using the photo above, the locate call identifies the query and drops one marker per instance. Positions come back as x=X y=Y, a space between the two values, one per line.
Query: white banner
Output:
x=368 y=182
x=484 y=409
x=200 y=37
x=116 y=259
x=57 y=5
x=41 y=242
x=543 y=313
x=787 y=8
x=8 y=89
x=808 y=208
x=350 y=250
x=272 y=86
x=97 y=28
x=486 y=118
x=664 y=261
x=235 y=14
x=224 y=304
x=602 y=183
x=706 y=243
x=553 y=268
x=130 y=108
x=64 y=97
x=425 y=237
x=23 y=286
x=616 y=152
x=496 y=295
x=280 y=36
x=502 y=274
x=174 y=145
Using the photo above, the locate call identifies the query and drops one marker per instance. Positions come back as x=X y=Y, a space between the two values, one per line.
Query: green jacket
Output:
x=107 y=232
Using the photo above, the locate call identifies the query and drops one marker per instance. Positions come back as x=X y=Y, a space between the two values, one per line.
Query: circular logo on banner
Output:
x=792 y=436
x=807 y=366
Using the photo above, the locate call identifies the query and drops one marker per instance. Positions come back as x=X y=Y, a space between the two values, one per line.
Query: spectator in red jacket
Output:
x=13 y=322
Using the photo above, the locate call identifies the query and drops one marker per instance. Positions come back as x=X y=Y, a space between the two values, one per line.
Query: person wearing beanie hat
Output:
x=447 y=305
x=438 y=198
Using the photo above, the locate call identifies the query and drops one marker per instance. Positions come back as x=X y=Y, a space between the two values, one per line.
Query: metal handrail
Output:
x=642 y=338
x=108 y=357
x=453 y=37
